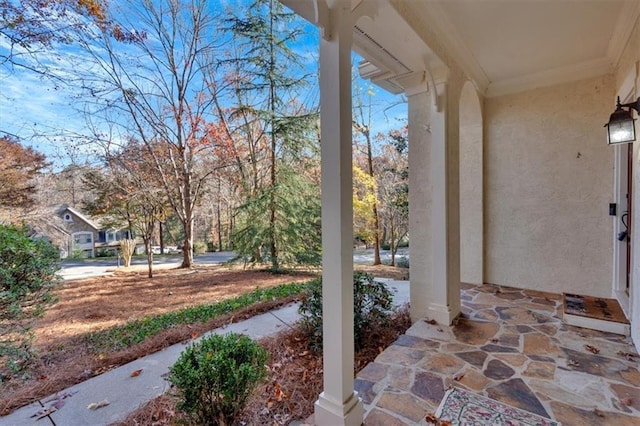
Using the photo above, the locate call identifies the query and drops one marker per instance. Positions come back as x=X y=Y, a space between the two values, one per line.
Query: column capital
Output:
x=414 y=82
x=330 y=14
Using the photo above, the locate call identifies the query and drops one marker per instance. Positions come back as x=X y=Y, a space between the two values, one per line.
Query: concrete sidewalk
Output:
x=124 y=393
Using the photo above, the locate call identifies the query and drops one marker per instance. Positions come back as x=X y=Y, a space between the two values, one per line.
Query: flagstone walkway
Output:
x=509 y=345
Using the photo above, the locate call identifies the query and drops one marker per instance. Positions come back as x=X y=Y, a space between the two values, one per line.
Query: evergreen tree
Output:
x=279 y=220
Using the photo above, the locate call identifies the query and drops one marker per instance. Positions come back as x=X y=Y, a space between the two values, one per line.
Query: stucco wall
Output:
x=471 y=209
x=628 y=72
x=548 y=182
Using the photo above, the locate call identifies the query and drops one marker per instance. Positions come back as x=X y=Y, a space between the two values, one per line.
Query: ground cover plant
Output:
x=103 y=306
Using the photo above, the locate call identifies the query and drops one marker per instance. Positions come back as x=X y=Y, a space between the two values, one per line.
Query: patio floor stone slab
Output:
x=512 y=346
x=516 y=393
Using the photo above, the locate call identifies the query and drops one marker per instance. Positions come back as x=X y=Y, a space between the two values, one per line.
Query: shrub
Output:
x=27 y=277
x=215 y=377
x=372 y=305
x=402 y=262
x=199 y=247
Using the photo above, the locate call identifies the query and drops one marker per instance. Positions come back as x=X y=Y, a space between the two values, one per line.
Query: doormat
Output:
x=594 y=307
x=463 y=408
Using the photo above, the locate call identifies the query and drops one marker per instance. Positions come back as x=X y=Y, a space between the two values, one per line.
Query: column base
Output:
x=442 y=314
x=328 y=413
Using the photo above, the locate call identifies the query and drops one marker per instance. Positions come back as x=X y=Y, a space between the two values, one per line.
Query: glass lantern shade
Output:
x=621 y=127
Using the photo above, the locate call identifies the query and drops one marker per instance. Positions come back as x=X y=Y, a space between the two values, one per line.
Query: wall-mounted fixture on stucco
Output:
x=621 y=126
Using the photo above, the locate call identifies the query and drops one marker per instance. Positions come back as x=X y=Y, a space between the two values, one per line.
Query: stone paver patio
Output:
x=509 y=345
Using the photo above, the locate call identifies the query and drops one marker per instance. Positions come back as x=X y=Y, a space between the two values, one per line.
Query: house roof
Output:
x=80 y=216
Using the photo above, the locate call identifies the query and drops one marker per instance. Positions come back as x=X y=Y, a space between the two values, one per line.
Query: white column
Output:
x=338 y=404
x=434 y=204
x=419 y=202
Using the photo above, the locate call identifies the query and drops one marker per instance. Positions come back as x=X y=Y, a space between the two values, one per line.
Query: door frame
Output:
x=622 y=181
x=622 y=196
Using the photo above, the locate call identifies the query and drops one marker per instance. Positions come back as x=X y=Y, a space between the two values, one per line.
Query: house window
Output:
x=83 y=238
x=68 y=218
x=111 y=237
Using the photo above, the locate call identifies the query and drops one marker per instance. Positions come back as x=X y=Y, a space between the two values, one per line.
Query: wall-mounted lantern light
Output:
x=621 y=126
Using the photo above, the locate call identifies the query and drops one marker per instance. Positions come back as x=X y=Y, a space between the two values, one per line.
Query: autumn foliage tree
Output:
x=127 y=193
x=393 y=188
x=154 y=91
x=19 y=166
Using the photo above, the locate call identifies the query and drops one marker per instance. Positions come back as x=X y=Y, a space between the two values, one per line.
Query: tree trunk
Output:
x=147 y=246
x=272 y=201
x=376 y=222
x=187 y=246
x=219 y=219
x=161 y=239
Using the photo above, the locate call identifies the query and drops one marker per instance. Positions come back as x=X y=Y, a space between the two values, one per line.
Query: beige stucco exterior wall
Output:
x=548 y=182
x=630 y=56
x=628 y=81
x=471 y=178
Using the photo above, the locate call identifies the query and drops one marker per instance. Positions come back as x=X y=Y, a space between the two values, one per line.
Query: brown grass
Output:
x=98 y=303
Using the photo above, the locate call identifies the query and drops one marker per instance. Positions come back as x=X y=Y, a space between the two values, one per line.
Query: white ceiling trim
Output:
x=432 y=14
x=550 y=77
x=626 y=21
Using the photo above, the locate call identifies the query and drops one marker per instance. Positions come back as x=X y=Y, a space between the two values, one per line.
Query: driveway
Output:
x=87 y=268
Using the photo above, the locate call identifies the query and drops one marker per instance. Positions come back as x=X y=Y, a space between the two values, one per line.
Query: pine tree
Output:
x=280 y=219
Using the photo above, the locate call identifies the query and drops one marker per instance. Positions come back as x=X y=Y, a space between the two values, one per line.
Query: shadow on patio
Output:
x=509 y=345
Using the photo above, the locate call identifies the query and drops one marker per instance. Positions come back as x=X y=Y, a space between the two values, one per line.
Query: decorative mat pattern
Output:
x=463 y=408
x=594 y=307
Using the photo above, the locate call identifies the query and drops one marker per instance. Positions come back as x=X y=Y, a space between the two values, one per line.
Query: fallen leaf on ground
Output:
x=431 y=321
x=592 y=349
x=136 y=373
x=431 y=418
x=573 y=363
x=598 y=412
x=627 y=401
x=458 y=377
x=96 y=405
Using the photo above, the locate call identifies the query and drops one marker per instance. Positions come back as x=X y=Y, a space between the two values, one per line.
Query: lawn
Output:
x=104 y=322
x=85 y=333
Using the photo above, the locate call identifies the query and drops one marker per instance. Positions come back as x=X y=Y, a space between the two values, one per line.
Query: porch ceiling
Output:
x=503 y=46
x=508 y=46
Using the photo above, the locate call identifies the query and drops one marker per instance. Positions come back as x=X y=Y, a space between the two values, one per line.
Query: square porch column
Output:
x=434 y=222
x=338 y=404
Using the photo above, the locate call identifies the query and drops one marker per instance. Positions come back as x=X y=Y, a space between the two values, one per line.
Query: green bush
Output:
x=216 y=376
x=27 y=277
x=199 y=247
x=402 y=262
x=372 y=305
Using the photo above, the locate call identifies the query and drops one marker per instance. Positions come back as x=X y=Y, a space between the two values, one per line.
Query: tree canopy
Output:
x=19 y=166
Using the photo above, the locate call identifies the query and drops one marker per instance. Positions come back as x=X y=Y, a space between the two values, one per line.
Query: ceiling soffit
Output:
x=506 y=47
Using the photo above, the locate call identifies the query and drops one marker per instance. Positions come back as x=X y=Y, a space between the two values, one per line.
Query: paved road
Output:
x=366 y=256
x=87 y=268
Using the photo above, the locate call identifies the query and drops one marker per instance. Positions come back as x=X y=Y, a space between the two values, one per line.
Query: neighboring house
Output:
x=86 y=236
x=511 y=178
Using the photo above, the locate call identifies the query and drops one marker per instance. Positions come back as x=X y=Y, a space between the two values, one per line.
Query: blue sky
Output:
x=41 y=113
